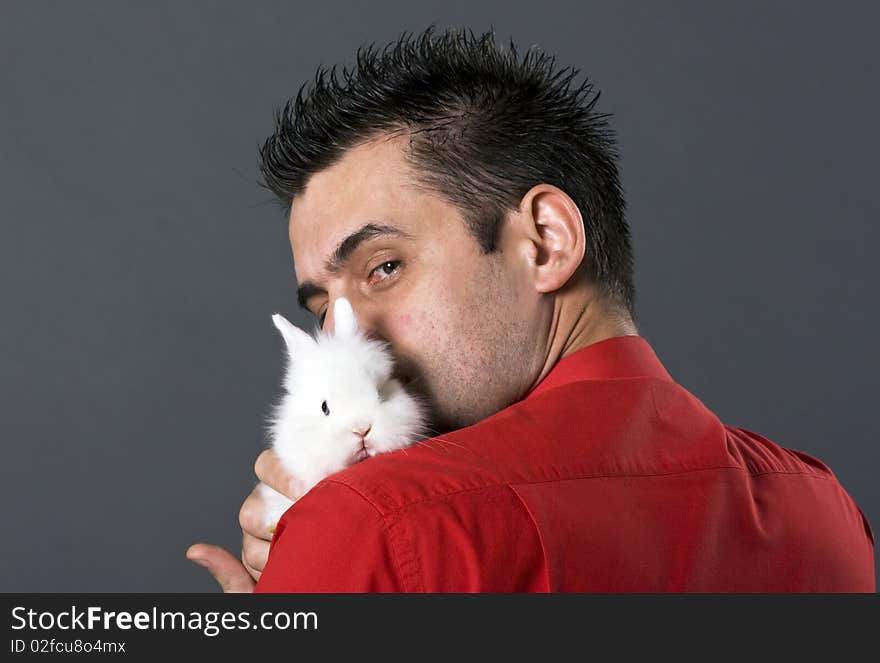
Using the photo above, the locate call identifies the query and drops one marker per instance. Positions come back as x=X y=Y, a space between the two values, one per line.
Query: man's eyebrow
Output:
x=340 y=256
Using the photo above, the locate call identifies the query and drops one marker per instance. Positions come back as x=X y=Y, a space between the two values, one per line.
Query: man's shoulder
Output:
x=757 y=455
x=568 y=432
x=626 y=428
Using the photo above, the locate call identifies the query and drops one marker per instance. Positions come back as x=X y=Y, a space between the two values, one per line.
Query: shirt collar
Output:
x=617 y=357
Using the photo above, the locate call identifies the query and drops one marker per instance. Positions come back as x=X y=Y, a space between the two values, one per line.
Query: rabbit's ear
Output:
x=344 y=322
x=295 y=338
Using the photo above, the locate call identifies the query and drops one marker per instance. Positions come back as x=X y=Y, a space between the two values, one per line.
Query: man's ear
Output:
x=554 y=231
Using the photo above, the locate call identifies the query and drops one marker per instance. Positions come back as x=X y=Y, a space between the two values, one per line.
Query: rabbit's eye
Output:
x=325 y=409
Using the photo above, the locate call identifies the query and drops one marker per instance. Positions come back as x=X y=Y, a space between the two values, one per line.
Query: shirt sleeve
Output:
x=331 y=540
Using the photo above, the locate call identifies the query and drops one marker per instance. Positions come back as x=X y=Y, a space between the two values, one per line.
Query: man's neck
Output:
x=580 y=319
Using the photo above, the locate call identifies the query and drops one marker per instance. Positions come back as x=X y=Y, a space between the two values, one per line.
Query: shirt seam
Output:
x=390 y=523
x=538 y=531
x=607 y=475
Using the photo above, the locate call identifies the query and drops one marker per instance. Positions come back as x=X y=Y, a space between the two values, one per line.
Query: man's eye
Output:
x=387 y=268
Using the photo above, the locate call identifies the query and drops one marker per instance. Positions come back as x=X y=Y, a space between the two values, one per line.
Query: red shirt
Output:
x=607 y=477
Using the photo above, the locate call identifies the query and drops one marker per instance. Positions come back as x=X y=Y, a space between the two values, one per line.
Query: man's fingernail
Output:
x=200 y=562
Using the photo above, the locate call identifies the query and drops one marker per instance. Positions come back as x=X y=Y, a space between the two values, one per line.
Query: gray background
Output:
x=140 y=261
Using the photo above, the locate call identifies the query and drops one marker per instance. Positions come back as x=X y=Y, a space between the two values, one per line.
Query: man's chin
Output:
x=437 y=421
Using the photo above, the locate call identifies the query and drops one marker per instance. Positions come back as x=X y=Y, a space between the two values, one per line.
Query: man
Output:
x=466 y=201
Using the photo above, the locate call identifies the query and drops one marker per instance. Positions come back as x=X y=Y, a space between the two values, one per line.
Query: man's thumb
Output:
x=227 y=569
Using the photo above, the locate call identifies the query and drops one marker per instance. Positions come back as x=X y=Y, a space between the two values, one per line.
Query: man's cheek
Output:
x=416 y=342
x=413 y=329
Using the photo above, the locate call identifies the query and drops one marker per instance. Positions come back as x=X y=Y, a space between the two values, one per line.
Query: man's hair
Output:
x=485 y=126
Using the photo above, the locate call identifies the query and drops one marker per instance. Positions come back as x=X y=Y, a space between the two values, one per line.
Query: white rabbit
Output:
x=342 y=405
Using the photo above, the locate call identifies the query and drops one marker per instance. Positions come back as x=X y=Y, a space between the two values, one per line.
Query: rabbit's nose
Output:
x=362 y=430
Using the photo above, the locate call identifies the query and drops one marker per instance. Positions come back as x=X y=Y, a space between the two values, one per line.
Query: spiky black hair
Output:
x=485 y=126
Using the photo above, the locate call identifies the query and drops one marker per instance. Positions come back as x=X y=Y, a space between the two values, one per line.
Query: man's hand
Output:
x=234 y=575
x=227 y=570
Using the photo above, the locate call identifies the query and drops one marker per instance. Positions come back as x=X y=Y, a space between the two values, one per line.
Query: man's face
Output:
x=464 y=326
